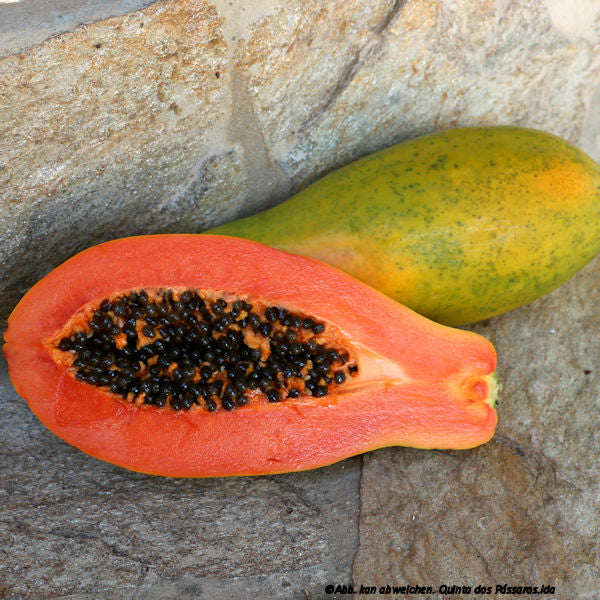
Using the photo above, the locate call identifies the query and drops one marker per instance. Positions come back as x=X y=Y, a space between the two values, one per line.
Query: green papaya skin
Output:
x=459 y=225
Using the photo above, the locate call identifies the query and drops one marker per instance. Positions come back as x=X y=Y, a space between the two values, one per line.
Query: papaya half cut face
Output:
x=198 y=355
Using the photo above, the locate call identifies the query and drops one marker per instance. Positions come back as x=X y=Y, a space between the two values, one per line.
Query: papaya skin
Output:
x=419 y=383
x=459 y=225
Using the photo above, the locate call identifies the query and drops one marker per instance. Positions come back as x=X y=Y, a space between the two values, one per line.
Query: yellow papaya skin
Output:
x=459 y=225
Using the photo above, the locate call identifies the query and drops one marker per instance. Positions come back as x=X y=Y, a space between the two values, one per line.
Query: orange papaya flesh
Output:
x=375 y=373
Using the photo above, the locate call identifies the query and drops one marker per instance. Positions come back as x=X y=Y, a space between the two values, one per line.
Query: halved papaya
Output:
x=194 y=355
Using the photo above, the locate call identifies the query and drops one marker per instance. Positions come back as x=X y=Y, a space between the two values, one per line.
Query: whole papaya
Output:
x=459 y=225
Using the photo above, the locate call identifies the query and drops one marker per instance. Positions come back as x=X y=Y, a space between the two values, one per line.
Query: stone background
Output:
x=186 y=114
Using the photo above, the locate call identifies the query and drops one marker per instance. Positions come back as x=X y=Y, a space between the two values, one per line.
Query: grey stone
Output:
x=73 y=526
x=25 y=23
x=523 y=509
x=130 y=138
x=403 y=69
x=185 y=114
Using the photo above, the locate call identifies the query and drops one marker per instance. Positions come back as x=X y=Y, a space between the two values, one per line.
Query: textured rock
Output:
x=124 y=117
x=73 y=525
x=26 y=23
x=408 y=68
x=523 y=509
x=187 y=113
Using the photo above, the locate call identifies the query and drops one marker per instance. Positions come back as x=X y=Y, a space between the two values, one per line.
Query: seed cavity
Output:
x=190 y=349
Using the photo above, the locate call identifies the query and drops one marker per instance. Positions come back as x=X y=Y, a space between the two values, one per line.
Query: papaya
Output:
x=459 y=225
x=195 y=355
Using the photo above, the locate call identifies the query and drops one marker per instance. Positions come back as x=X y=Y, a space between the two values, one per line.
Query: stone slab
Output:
x=401 y=69
x=523 y=509
x=131 y=120
x=26 y=23
x=183 y=114
x=74 y=527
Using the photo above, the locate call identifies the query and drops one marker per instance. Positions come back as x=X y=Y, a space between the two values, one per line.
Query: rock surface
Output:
x=523 y=509
x=186 y=113
x=30 y=22
x=73 y=525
